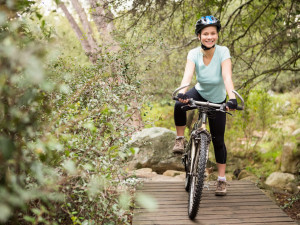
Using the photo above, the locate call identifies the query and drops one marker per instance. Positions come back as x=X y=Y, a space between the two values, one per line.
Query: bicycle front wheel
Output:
x=197 y=176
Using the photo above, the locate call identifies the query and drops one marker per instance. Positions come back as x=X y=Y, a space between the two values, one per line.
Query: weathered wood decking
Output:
x=244 y=204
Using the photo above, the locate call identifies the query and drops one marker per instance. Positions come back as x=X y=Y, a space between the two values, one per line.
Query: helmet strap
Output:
x=206 y=48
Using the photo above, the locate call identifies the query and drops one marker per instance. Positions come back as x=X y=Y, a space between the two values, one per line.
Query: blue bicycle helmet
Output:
x=207 y=21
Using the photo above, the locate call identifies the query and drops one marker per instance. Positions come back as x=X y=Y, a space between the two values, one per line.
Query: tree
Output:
x=103 y=19
x=261 y=35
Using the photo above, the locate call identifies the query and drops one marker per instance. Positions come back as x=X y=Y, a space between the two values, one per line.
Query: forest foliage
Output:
x=67 y=107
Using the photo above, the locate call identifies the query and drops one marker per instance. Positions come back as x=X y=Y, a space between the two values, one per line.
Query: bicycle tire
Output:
x=187 y=166
x=197 y=181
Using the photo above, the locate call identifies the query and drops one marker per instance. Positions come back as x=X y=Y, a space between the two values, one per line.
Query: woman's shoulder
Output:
x=195 y=50
x=222 y=48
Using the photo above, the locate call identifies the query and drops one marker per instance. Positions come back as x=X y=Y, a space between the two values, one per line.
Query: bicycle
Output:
x=196 y=151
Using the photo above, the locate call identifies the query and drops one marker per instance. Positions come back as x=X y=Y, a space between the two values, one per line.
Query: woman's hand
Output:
x=183 y=98
x=231 y=104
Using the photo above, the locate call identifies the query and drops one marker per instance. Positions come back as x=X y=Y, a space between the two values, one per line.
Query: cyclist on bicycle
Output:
x=212 y=64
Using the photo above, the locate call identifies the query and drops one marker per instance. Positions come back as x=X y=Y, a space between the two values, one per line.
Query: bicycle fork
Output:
x=195 y=139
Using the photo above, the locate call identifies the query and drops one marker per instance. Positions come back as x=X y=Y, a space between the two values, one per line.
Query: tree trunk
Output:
x=86 y=26
x=84 y=43
x=103 y=19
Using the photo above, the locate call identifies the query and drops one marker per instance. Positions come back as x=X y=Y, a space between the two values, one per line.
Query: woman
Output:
x=213 y=71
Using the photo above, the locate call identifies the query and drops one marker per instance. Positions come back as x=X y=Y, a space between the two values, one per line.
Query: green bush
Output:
x=63 y=133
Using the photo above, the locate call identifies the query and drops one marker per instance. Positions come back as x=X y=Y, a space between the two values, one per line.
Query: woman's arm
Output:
x=188 y=75
x=226 y=74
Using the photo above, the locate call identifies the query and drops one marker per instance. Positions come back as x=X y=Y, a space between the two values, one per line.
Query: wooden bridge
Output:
x=244 y=204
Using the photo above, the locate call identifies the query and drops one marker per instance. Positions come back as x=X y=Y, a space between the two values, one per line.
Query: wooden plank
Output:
x=206 y=222
x=207 y=211
x=244 y=204
x=208 y=204
x=242 y=217
x=221 y=208
x=208 y=214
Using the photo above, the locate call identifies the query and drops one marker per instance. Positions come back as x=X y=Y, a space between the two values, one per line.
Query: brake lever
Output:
x=190 y=104
x=185 y=106
x=228 y=113
x=221 y=110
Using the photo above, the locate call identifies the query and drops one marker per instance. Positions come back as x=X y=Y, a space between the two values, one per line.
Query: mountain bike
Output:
x=196 y=151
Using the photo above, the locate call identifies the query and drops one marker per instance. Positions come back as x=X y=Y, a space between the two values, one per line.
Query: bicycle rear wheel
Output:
x=197 y=176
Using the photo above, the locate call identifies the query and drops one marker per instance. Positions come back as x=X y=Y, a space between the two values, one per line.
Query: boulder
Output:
x=243 y=174
x=173 y=173
x=290 y=158
x=163 y=178
x=153 y=148
x=292 y=188
x=280 y=180
x=230 y=177
x=251 y=178
x=144 y=173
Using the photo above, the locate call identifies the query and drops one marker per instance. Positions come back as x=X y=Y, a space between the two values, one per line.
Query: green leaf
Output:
x=70 y=166
x=5 y=212
x=29 y=219
x=38 y=15
x=146 y=201
x=3 y=18
x=7 y=147
x=132 y=150
x=124 y=201
x=64 y=89
x=36 y=211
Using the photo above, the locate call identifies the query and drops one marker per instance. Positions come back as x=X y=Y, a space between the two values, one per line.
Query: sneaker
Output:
x=221 y=188
x=179 y=146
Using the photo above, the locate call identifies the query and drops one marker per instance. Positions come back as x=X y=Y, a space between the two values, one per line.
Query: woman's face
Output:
x=209 y=36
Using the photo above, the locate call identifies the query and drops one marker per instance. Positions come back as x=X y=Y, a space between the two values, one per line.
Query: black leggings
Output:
x=217 y=123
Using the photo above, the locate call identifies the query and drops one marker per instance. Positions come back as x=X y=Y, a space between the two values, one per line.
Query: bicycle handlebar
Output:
x=193 y=102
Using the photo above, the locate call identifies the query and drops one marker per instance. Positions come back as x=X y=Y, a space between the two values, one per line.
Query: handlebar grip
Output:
x=175 y=98
x=239 y=107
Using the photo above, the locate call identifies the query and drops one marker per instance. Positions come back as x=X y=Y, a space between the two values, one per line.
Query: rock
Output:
x=172 y=173
x=296 y=132
x=230 y=177
x=154 y=150
x=167 y=178
x=290 y=158
x=258 y=134
x=236 y=172
x=298 y=216
x=286 y=126
x=292 y=188
x=243 y=174
x=280 y=180
x=144 y=173
x=251 y=178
